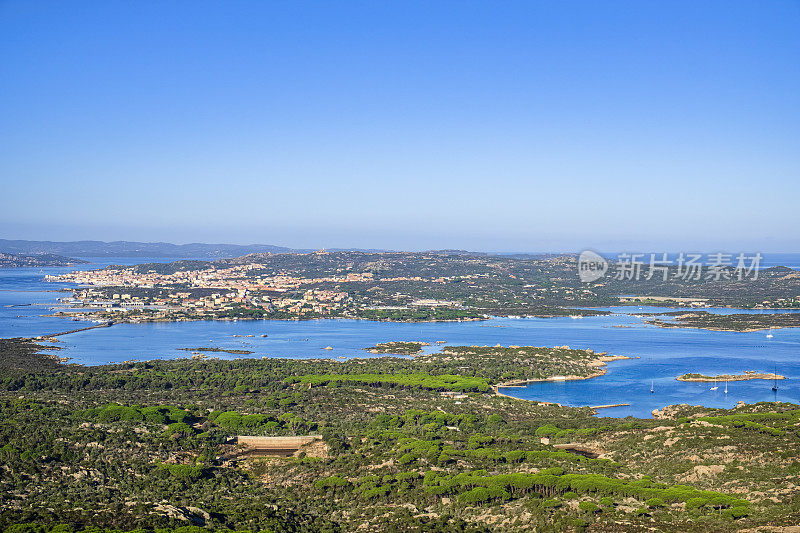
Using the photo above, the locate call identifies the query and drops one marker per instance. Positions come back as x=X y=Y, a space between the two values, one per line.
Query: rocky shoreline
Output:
x=737 y=322
x=599 y=364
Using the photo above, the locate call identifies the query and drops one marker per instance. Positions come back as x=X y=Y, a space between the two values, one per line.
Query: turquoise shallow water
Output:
x=663 y=353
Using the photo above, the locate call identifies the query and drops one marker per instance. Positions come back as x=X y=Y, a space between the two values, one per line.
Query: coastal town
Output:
x=234 y=292
x=120 y=294
x=424 y=286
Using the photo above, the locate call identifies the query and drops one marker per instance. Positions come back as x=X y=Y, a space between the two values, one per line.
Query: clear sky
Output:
x=497 y=126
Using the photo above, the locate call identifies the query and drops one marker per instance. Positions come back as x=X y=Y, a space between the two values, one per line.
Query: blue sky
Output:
x=498 y=126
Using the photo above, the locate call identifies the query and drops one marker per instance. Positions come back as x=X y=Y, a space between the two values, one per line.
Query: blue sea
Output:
x=657 y=355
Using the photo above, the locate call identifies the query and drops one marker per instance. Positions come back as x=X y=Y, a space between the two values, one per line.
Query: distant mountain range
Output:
x=137 y=249
x=195 y=250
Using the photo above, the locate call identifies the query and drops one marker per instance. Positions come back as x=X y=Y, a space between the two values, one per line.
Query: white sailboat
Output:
x=715 y=385
x=651 y=387
x=769 y=334
x=726 y=386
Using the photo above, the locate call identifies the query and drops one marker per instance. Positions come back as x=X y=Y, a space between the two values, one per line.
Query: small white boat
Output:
x=715 y=386
x=726 y=387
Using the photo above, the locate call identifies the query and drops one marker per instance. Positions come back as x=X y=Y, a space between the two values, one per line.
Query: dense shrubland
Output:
x=149 y=445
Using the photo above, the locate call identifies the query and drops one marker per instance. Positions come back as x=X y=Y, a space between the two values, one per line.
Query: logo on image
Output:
x=591 y=266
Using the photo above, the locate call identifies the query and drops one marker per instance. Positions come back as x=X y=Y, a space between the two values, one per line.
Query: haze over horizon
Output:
x=413 y=126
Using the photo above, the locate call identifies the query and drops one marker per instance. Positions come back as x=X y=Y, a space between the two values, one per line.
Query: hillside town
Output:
x=235 y=292
x=186 y=295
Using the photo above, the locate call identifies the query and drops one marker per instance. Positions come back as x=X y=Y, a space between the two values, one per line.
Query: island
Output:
x=747 y=375
x=216 y=349
x=398 y=348
x=8 y=260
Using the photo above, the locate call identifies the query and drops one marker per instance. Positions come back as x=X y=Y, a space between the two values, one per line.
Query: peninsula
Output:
x=743 y=322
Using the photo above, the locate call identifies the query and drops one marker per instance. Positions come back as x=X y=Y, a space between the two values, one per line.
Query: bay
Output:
x=658 y=355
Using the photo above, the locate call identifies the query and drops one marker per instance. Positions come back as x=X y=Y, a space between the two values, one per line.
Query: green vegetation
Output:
x=572 y=485
x=21 y=355
x=774 y=424
x=160 y=414
x=426 y=381
x=150 y=446
x=519 y=363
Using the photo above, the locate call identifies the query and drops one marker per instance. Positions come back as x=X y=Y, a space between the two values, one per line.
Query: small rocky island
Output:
x=747 y=375
x=215 y=349
x=398 y=348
